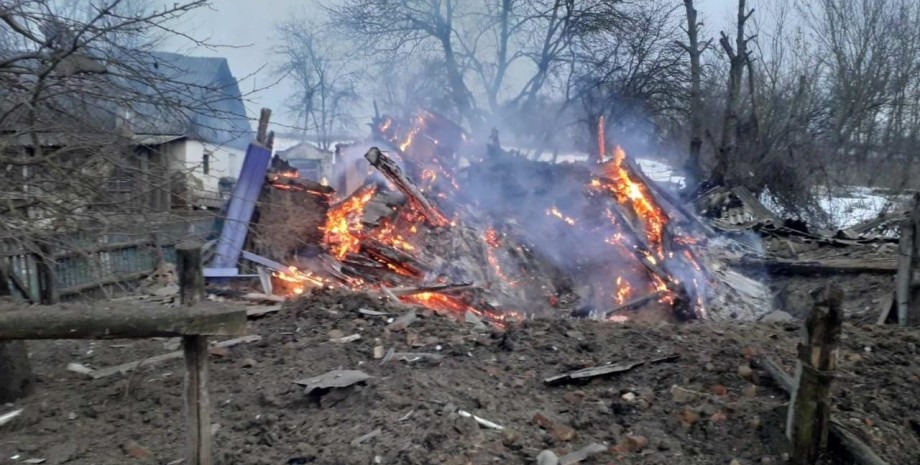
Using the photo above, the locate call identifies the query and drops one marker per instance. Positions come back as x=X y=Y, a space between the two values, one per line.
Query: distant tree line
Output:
x=796 y=95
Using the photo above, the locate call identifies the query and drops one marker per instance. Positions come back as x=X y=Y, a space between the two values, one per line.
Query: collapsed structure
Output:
x=430 y=217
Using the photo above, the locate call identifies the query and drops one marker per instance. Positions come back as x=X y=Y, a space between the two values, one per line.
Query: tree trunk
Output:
x=738 y=58
x=693 y=167
x=15 y=369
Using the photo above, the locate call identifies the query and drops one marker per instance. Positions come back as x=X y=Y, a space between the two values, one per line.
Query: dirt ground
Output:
x=711 y=405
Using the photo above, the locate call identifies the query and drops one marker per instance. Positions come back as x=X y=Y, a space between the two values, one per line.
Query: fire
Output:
x=388 y=234
x=555 y=212
x=416 y=128
x=623 y=290
x=343 y=223
x=297 y=279
x=492 y=238
x=457 y=306
x=629 y=191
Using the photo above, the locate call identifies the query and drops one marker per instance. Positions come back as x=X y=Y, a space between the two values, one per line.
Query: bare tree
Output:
x=324 y=76
x=395 y=29
x=738 y=59
x=694 y=50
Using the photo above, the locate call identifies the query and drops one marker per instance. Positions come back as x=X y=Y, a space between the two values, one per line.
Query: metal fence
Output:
x=93 y=264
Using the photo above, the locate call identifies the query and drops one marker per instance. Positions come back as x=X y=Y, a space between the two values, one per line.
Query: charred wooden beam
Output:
x=860 y=451
x=809 y=412
x=637 y=302
x=907 y=287
x=391 y=170
x=817 y=266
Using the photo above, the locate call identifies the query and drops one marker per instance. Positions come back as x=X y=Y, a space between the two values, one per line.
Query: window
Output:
x=206 y=162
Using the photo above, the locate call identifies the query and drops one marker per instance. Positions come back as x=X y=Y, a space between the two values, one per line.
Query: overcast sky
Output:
x=249 y=26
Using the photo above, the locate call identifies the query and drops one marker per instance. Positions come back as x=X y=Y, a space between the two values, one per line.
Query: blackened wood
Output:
x=191 y=274
x=808 y=420
x=858 y=450
x=391 y=170
x=262 y=132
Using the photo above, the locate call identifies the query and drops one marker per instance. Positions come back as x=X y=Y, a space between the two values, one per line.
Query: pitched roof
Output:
x=204 y=91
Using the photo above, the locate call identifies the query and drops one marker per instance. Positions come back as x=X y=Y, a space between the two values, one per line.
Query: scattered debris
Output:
x=482 y=421
x=547 y=457
x=9 y=416
x=603 y=370
x=358 y=441
x=346 y=339
x=126 y=367
x=79 y=368
x=410 y=356
x=402 y=322
x=582 y=454
x=335 y=379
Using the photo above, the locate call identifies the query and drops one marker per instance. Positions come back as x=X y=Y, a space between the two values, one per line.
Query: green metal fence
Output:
x=88 y=263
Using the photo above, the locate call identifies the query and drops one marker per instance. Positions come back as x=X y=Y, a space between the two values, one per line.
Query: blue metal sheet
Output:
x=242 y=204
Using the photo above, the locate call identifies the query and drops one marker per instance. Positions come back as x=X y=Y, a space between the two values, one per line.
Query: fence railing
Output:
x=94 y=264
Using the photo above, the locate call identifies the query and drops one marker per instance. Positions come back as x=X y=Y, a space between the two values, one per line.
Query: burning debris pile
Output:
x=435 y=219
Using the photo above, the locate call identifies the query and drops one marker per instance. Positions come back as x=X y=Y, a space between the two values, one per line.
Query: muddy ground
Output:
x=711 y=405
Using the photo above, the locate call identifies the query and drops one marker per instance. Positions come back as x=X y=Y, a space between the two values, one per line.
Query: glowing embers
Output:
x=457 y=306
x=553 y=211
x=295 y=281
x=343 y=222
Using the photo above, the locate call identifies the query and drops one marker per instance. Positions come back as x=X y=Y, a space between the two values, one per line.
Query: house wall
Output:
x=306 y=151
x=187 y=156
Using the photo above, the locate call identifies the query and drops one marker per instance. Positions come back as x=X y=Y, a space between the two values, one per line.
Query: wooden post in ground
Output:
x=195 y=348
x=808 y=422
x=907 y=283
x=15 y=369
x=47 y=278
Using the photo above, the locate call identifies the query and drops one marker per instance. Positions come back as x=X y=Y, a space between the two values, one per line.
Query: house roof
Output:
x=204 y=91
x=149 y=140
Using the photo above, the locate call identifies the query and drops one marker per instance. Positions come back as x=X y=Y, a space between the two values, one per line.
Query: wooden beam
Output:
x=808 y=420
x=818 y=266
x=125 y=321
x=416 y=198
x=190 y=273
x=195 y=349
x=861 y=453
x=197 y=400
x=130 y=366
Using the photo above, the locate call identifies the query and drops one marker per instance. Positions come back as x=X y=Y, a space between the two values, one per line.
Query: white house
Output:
x=206 y=146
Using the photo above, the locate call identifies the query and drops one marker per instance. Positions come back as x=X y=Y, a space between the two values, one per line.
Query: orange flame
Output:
x=297 y=279
x=623 y=290
x=343 y=222
x=627 y=190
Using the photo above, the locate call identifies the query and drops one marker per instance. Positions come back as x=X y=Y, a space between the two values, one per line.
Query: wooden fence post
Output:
x=809 y=411
x=15 y=369
x=195 y=348
x=47 y=278
x=907 y=284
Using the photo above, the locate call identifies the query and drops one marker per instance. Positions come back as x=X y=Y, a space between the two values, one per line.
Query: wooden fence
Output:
x=94 y=264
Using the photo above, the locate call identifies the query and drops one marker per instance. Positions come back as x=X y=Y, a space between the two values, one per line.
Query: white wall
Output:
x=188 y=156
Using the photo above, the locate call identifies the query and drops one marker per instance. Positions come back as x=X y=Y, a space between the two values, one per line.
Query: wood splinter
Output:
x=391 y=170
